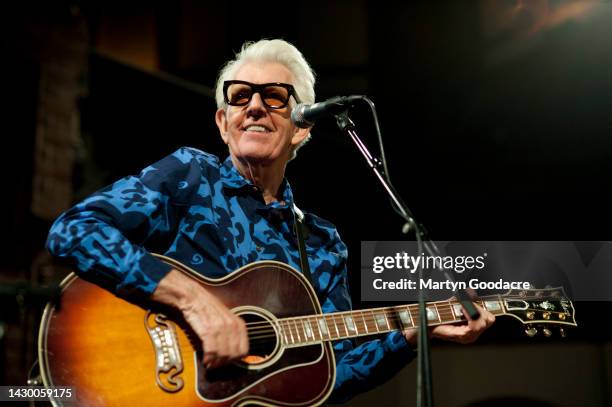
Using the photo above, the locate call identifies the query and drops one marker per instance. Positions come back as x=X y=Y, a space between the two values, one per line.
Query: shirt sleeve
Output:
x=361 y=368
x=106 y=237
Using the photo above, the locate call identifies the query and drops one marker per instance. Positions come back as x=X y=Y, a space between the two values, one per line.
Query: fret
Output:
x=393 y=319
x=330 y=328
x=432 y=315
x=342 y=324
x=374 y=324
x=314 y=323
x=316 y=330
x=437 y=311
x=365 y=324
x=492 y=305
x=445 y=308
x=335 y=325
x=297 y=330
x=308 y=329
x=323 y=327
x=350 y=324
x=359 y=322
x=405 y=318
x=284 y=332
x=381 y=321
x=458 y=310
x=413 y=311
x=372 y=327
x=290 y=332
x=387 y=319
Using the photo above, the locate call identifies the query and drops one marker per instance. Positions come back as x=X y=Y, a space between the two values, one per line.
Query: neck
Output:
x=309 y=329
x=267 y=176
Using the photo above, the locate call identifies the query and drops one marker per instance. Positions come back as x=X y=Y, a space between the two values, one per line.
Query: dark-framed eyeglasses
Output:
x=274 y=95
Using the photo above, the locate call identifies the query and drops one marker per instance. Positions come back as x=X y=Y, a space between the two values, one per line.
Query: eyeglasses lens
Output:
x=239 y=94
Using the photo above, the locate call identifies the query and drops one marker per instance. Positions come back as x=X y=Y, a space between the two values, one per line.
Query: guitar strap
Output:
x=300 y=232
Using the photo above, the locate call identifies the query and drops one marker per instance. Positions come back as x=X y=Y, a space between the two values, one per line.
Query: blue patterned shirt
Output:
x=205 y=214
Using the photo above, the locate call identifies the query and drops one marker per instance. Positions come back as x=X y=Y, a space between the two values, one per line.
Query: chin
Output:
x=255 y=157
x=257 y=152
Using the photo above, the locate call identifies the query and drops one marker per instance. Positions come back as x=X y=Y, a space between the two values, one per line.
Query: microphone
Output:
x=304 y=115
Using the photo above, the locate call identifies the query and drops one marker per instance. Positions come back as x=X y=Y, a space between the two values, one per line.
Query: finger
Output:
x=467 y=314
x=232 y=333
x=213 y=349
x=244 y=339
x=480 y=310
x=490 y=319
x=471 y=293
x=486 y=316
x=487 y=319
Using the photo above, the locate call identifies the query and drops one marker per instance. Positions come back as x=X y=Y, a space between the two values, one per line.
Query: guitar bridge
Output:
x=168 y=360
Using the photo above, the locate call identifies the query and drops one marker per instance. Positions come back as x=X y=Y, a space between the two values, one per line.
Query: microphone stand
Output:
x=424 y=244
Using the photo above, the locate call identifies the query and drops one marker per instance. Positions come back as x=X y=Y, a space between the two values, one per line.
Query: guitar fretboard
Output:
x=305 y=330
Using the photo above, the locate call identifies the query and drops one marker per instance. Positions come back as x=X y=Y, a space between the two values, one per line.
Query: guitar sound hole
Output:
x=263 y=340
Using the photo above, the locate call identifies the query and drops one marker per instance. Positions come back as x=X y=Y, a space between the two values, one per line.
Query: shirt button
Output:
x=282 y=203
x=258 y=248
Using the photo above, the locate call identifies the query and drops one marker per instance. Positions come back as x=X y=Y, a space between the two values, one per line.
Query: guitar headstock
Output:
x=542 y=308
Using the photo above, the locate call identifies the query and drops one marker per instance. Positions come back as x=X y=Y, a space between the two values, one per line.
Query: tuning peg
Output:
x=531 y=331
x=547 y=332
x=562 y=332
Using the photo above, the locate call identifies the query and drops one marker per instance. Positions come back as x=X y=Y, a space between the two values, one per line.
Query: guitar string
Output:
x=259 y=334
x=445 y=316
x=442 y=307
x=443 y=310
x=256 y=326
x=264 y=329
x=409 y=307
x=447 y=303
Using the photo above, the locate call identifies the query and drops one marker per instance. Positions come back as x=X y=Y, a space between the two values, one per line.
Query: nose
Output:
x=256 y=107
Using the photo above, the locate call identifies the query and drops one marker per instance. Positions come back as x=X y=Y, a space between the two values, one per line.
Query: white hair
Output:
x=279 y=51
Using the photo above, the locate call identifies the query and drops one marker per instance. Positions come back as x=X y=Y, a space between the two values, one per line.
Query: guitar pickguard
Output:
x=229 y=381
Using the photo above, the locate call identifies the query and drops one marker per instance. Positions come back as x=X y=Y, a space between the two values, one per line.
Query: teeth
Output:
x=256 y=128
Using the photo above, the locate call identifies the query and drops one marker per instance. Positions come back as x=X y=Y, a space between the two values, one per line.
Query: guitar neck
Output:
x=306 y=330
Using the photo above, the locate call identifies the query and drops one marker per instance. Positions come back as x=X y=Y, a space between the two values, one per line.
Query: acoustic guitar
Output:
x=115 y=352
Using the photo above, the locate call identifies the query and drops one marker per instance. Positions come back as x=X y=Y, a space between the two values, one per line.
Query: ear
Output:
x=221 y=121
x=299 y=135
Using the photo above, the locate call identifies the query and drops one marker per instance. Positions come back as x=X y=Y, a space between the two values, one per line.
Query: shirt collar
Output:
x=232 y=179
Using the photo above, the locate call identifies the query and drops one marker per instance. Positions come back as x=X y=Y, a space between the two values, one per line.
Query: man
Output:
x=217 y=216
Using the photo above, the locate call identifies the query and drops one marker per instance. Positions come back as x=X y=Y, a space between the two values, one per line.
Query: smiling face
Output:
x=255 y=133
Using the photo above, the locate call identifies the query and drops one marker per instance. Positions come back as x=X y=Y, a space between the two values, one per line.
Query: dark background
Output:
x=496 y=117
